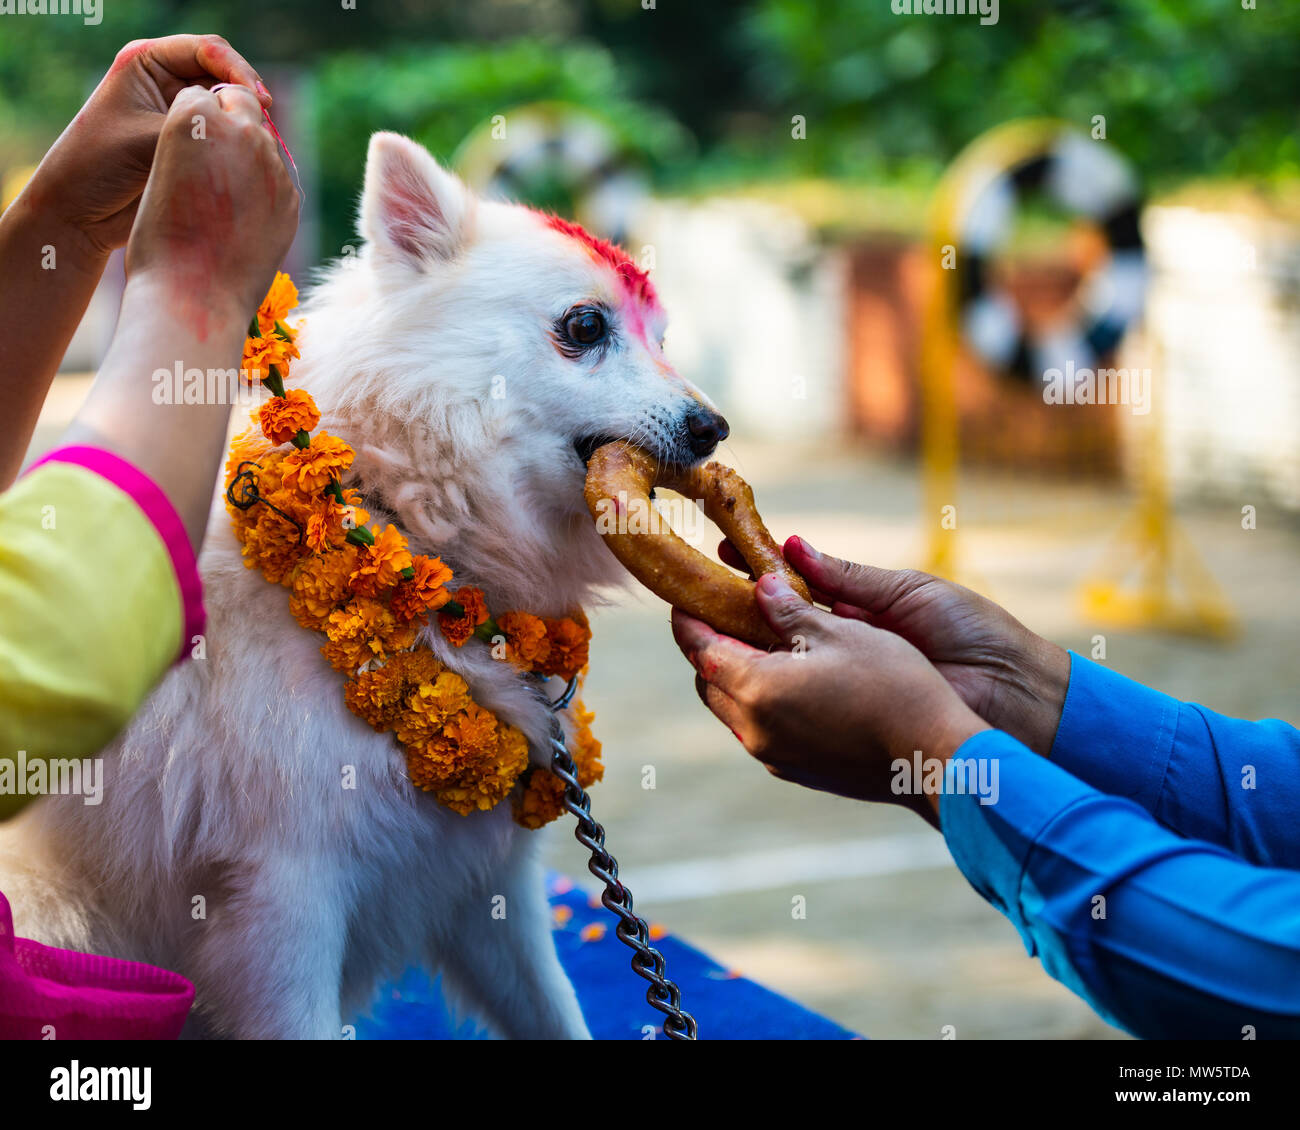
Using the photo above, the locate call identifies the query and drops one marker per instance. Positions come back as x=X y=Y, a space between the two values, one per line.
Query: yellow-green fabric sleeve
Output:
x=90 y=617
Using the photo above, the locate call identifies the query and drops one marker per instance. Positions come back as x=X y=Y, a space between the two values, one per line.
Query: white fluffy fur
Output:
x=228 y=784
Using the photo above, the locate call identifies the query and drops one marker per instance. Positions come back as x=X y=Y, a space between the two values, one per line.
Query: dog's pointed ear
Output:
x=412 y=209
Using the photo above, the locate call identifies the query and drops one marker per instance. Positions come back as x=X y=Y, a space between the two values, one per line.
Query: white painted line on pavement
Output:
x=802 y=863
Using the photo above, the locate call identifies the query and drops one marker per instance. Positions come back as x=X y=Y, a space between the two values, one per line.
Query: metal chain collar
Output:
x=647 y=962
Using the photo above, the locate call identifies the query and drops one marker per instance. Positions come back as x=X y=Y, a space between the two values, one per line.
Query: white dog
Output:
x=473 y=354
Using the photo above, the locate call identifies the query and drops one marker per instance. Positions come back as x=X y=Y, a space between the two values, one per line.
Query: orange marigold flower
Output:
x=526 y=642
x=447 y=695
x=283 y=417
x=474 y=612
x=586 y=748
x=268 y=470
x=326 y=525
x=379 y=566
x=491 y=758
x=400 y=637
x=345 y=655
x=320 y=584
x=430 y=707
x=432 y=764
x=355 y=633
x=541 y=800
x=376 y=696
x=290 y=501
x=351 y=507
x=423 y=593
x=260 y=353
x=319 y=533
x=416 y=667
x=474 y=730
x=568 y=650
x=279 y=300
x=247 y=447
x=413 y=730
x=271 y=544
x=513 y=750
x=310 y=470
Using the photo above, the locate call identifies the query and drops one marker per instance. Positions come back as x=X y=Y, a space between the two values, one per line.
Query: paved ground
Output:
x=894 y=942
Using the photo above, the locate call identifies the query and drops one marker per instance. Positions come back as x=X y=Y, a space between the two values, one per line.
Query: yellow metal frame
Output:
x=1174 y=590
x=1154 y=577
x=987 y=157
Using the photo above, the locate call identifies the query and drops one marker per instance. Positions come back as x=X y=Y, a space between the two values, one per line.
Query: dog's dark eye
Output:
x=585 y=327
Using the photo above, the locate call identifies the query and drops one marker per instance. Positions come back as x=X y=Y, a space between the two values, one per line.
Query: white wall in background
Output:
x=756 y=312
x=1224 y=308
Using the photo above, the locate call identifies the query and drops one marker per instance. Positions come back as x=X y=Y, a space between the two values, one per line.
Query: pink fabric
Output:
x=79 y=996
x=76 y=996
x=156 y=507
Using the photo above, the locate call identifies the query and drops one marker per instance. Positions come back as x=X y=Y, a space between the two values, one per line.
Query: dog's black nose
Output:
x=708 y=429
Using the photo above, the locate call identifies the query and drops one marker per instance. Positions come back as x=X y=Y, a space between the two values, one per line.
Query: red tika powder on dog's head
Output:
x=636 y=282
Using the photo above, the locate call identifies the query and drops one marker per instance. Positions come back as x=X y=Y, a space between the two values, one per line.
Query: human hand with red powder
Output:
x=1013 y=679
x=219 y=212
x=867 y=678
x=90 y=182
x=214 y=223
x=79 y=205
x=836 y=706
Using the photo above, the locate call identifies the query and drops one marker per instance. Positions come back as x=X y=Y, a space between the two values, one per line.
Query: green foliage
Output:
x=438 y=96
x=704 y=93
x=1187 y=87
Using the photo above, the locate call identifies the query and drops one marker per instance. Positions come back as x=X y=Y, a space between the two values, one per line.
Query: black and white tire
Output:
x=564 y=144
x=1085 y=178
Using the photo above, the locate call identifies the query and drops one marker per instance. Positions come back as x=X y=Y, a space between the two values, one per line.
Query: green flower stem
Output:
x=273 y=381
x=488 y=630
x=361 y=536
x=302 y=439
x=409 y=572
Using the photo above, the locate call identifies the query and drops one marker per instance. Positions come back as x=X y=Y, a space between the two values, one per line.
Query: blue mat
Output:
x=725 y=1005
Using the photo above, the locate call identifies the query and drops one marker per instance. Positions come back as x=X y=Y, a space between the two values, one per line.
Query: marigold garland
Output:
x=371 y=596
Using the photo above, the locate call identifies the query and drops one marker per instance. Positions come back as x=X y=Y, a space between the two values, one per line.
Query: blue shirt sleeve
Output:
x=1165 y=937
x=1207 y=777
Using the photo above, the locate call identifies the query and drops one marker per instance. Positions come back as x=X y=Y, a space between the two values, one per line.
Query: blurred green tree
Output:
x=705 y=93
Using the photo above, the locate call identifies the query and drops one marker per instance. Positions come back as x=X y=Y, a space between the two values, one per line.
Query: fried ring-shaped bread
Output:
x=620 y=478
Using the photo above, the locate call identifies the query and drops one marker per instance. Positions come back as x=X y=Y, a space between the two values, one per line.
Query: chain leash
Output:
x=647 y=962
